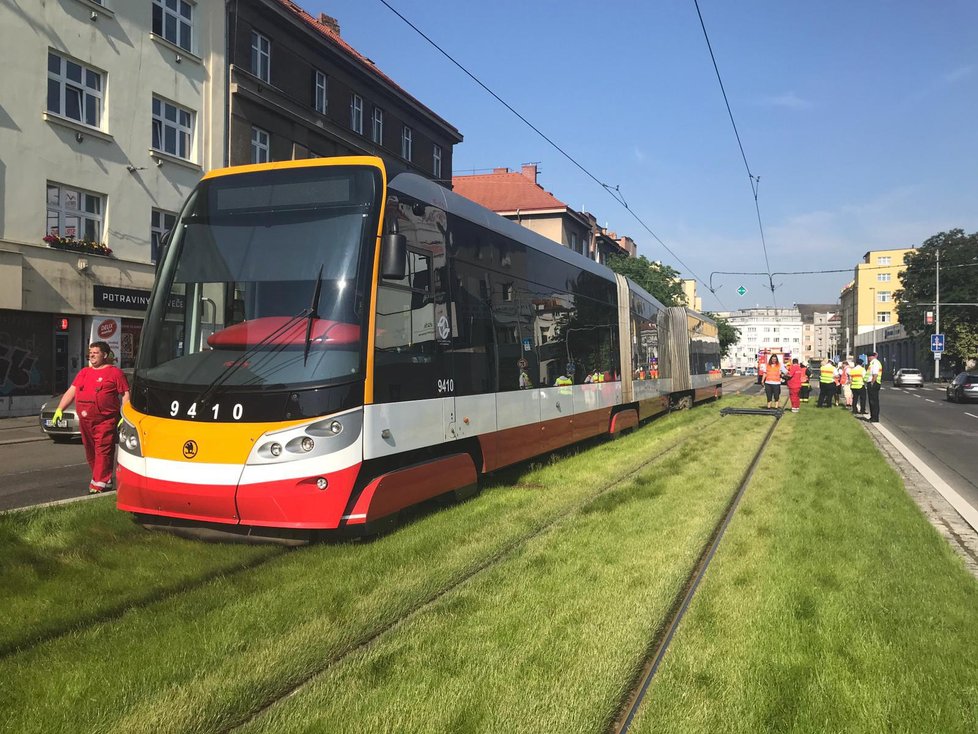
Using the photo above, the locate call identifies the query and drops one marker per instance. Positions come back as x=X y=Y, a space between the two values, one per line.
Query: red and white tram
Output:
x=324 y=348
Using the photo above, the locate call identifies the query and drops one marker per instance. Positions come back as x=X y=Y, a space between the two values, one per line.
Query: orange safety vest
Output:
x=773 y=373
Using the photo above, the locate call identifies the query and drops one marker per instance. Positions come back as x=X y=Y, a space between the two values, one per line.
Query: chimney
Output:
x=530 y=171
x=330 y=22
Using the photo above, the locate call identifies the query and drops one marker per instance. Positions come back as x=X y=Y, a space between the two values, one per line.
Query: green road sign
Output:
x=742 y=291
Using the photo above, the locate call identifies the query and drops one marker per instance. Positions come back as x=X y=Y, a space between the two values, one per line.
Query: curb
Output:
x=32 y=439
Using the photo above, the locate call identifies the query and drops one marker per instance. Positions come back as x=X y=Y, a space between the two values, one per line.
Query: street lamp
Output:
x=937 y=308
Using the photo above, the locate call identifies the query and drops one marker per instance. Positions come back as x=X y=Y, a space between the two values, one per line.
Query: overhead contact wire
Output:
x=613 y=191
x=754 y=180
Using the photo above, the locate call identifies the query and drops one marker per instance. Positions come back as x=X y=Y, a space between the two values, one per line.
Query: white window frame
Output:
x=320 y=95
x=377 y=126
x=883 y=260
x=168 y=117
x=882 y=277
x=161 y=222
x=180 y=29
x=882 y=317
x=407 y=143
x=261 y=57
x=88 y=89
x=882 y=296
x=356 y=114
x=261 y=145
x=436 y=161
x=74 y=212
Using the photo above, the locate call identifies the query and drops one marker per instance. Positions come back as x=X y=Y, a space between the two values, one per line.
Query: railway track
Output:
x=488 y=563
x=640 y=688
x=114 y=612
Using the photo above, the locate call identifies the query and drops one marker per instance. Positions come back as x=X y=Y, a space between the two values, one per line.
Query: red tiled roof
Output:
x=368 y=65
x=505 y=192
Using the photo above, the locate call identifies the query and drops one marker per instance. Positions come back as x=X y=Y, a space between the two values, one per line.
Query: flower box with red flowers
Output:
x=72 y=244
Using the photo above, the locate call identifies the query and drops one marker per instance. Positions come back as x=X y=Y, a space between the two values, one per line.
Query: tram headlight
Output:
x=335 y=427
x=275 y=449
x=307 y=444
x=129 y=438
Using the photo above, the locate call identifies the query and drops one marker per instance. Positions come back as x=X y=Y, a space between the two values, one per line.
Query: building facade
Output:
x=518 y=197
x=298 y=90
x=763 y=329
x=820 y=330
x=111 y=112
x=867 y=302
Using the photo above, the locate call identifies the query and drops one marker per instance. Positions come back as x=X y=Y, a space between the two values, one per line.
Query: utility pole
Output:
x=937 y=305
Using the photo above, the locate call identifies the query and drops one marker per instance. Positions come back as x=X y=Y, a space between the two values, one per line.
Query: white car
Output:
x=908 y=378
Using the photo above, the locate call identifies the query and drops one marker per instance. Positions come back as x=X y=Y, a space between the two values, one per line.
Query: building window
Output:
x=883 y=277
x=74 y=90
x=574 y=241
x=160 y=223
x=883 y=296
x=319 y=97
x=883 y=260
x=173 y=129
x=74 y=213
x=406 y=143
x=173 y=20
x=377 y=131
x=882 y=317
x=436 y=162
x=261 y=57
x=356 y=114
x=259 y=146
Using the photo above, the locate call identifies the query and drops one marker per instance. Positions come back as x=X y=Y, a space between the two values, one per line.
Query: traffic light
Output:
x=63 y=324
x=930 y=318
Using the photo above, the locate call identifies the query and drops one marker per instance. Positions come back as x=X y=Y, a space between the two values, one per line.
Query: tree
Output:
x=661 y=281
x=959 y=284
x=729 y=334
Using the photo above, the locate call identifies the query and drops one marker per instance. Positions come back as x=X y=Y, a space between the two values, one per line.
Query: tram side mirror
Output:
x=393 y=257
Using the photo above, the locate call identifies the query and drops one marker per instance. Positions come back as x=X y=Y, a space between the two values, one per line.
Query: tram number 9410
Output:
x=446 y=386
x=236 y=411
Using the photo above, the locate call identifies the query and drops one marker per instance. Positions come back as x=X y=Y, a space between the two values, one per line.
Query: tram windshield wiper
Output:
x=252 y=350
x=313 y=313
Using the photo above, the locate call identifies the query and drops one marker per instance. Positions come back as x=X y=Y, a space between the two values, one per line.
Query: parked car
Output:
x=67 y=428
x=963 y=387
x=908 y=378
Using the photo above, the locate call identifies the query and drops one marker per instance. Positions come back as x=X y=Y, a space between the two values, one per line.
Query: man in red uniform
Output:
x=97 y=391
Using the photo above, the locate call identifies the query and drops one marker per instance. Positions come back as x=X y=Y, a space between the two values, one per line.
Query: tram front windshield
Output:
x=263 y=282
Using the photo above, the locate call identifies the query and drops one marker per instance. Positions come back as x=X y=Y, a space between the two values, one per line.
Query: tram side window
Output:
x=405 y=334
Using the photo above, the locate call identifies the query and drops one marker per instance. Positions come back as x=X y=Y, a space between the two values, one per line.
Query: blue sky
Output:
x=860 y=118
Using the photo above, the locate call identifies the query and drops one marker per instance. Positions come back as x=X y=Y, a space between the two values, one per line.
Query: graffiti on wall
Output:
x=25 y=354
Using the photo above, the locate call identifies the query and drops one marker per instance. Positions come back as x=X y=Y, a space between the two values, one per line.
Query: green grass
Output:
x=548 y=640
x=832 y=605
x=204 y=659
x=63 y=566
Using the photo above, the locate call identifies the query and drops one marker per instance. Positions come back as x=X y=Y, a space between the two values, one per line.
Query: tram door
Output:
x=415 y=325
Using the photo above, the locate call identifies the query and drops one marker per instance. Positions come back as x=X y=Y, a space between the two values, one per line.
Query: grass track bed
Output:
x=209 y=657
x=68 y=566
x=549 y=639
x=832 y=605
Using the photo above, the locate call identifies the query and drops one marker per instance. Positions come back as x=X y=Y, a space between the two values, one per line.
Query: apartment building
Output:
x=110 y=112
x=299 y=90
x=777 y=329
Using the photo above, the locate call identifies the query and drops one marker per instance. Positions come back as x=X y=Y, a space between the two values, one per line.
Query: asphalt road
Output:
x=943 y=434
x=36 y=471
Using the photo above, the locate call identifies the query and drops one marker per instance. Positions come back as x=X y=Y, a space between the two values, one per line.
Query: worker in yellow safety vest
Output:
x=857 y=379
x=826 y=384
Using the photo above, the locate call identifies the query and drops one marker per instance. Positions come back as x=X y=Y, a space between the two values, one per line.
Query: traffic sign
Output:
x=937 y=343
x=742 y=291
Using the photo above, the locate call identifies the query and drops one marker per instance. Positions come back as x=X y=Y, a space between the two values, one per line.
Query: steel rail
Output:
x=681 y=606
